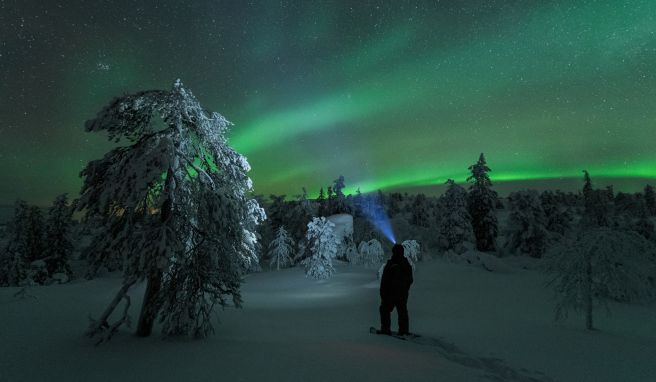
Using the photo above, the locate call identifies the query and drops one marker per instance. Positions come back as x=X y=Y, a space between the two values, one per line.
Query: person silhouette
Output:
x=394 y=289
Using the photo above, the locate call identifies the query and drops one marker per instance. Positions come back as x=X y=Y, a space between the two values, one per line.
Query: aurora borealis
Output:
x=387 y=93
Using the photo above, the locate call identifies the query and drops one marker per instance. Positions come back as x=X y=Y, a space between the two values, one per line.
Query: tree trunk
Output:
x=588 y=293
x=149 y=306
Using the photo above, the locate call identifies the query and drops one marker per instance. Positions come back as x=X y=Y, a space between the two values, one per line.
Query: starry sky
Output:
x=390 y=94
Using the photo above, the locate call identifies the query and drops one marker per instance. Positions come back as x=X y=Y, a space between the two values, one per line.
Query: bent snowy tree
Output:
x=601 y=264
x=174 y=204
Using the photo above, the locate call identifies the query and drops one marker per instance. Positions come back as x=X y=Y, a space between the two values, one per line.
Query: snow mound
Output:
x=473 y=257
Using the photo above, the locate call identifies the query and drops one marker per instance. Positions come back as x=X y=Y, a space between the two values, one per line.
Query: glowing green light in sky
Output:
x=393 y=96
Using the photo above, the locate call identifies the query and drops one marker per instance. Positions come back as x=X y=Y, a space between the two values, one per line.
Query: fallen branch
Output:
x=102 y=327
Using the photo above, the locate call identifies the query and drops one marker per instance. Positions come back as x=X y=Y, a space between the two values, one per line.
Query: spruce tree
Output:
x=558 y=218
x=340 y=205
x=527 y=224
x=5 y=267
x=650 y=200
x=281 y=249
x=174 y=202
x=277 y=210
x=420 y=215
x=358 y=204
x=15 y=262
x=394 y=204
x=482 y=201
x=321 y=201
x=455 y=223
x=58 y=242
x=323 y=248
x=330 y=201
x=596 y=204
x=35 y=234
x=298 y=215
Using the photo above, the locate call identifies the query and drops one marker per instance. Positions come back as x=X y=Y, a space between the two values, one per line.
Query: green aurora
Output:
x=390 y=96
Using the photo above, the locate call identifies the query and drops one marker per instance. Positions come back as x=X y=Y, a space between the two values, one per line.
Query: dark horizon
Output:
x=503 y=188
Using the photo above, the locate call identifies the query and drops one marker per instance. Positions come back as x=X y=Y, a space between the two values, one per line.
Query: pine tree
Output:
x=482 y=202
x=394 y=204
x=587 y=185
x=15 y=261
x=58 y=242
x=628 y=205
x=276 y=210
x=527 y=224
x=174 y=201
x=298 y=215
x=323 y=247
x=304 y=203
x=601 y=264
x=340 y=205
x=330 y=201
x=34 y=234
x=455 y=223
x=6 y=262
x=596 y=203
x=645 y=228
x=419 y=212
x=281 y=249
x=650 y=200
x=321 y=201
x=358 y=204
x=558 y=219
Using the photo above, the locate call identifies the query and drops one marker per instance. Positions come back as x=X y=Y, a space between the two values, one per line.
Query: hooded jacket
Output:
x=397 y=278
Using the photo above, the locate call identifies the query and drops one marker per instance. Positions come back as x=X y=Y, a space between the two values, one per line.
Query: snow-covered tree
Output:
x=601 y=264
x=371 y=253
x=650 y=200
x=358 y=204
x=323 y=248
x=6 y=262
x=558 y=219
x=645 y=228
x=174 y=201
x=14 y=265
x=321 y=203
x=351 y=252
x=596 y=204
x=629 y=204
x=37 y=274
x=455 y=223
x=411 y=250
x=527 y=226
x=34 y=234
x=420 y=212
x=58 y=242
x=482 y=202
x=393 y=203
x=330 y=202
x=339 y=205
x=299 y=213
x=276 y=210
x=281 y=249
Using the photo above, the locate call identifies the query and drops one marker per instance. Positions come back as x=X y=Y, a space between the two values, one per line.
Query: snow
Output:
x=343 y=226
x=295 y=328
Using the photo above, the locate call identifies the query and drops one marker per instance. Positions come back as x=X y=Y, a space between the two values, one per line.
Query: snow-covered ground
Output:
x=296 y=329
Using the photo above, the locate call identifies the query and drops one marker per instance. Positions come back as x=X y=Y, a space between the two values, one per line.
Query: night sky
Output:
x=387 y=93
